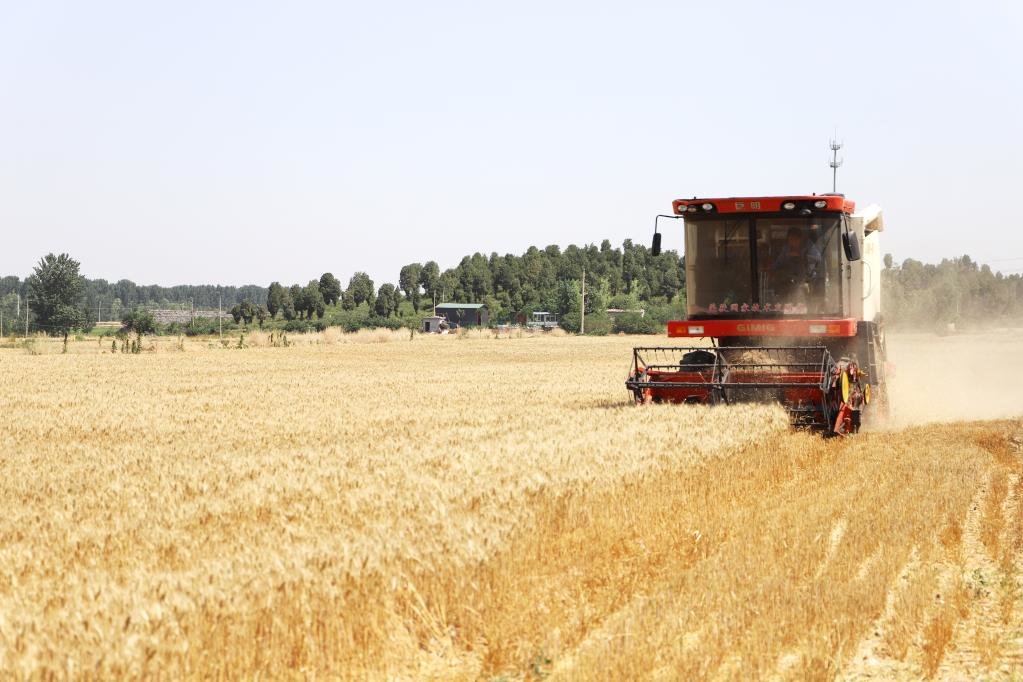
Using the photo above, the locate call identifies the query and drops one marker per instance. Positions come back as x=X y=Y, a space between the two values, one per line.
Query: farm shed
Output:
x=432 y=325
x=464 y=314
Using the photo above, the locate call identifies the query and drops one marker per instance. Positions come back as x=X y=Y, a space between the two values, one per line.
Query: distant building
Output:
x=464 y=314
x=435 y=324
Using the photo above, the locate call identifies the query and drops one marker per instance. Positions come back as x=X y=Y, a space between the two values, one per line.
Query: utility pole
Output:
x=26 y=316
x=582 y=310
x=98 y=309
x=220 y=315
x=835 y=163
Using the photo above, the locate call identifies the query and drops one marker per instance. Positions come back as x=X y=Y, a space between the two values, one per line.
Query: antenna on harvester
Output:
x=835 y=163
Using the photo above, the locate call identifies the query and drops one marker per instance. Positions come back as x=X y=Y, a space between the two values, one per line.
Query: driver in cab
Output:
x=799 y=268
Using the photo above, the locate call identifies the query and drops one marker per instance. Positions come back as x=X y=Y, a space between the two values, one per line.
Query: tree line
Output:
x=957 y=291
x=513 y=286
x=914 y=294
x=110 y=300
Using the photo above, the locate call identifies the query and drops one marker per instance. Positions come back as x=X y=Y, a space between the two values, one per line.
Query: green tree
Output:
x=498 y=306
x=139 y=322
x=246 y=310
x=476 y=277
x=360 y=288
x=448 y=287
x=567 y=298
x=429 y=280
x=9 y=304
x=288 y=306
x=297 y=294
x=408 y=280
x=275 y=298
x=386 y=301
x=330 y=288
x=56 y=296
x=312 y=300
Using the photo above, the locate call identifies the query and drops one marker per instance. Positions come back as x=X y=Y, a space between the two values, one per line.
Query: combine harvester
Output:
x=790 y=305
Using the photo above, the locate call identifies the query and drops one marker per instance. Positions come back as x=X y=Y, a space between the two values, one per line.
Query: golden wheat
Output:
x=475 y=506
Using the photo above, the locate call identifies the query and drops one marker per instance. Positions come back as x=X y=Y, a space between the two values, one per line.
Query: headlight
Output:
x=820 y=203
x=789 y=205
x=708 y=207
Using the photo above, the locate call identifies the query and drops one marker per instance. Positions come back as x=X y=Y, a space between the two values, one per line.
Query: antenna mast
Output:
x=835 y=163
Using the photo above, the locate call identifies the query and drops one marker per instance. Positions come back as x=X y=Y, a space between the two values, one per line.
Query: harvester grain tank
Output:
x=787 y=290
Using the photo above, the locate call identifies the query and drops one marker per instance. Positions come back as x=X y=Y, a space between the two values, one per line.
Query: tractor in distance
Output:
x=787 y=290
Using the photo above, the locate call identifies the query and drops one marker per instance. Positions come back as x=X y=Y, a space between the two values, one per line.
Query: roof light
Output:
x=691 y=209
x=820 y=203
x=789 y=205
x=708 y=207
x=681 y=208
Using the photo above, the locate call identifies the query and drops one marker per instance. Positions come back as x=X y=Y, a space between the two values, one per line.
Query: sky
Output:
x=245 y=142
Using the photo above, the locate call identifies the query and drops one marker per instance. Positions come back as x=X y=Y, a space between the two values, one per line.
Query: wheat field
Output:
x=379 y=507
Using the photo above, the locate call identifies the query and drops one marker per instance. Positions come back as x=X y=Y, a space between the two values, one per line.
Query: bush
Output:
x=634 y=323
x=202 y=326
x=377 y=321
x=138 y=322
x=662 y=312
x=598 y=324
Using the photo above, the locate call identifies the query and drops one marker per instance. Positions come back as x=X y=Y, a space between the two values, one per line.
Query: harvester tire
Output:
x=698 y=357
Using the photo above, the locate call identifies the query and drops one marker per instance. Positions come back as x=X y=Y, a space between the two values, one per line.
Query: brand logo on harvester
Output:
x=755 y=327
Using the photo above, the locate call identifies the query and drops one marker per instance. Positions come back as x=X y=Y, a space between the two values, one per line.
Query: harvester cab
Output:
x=785 y=293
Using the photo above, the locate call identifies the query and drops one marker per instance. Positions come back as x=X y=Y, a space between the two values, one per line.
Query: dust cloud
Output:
x=957 y=377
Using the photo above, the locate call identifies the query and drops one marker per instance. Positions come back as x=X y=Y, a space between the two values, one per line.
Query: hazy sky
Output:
x=191 y=142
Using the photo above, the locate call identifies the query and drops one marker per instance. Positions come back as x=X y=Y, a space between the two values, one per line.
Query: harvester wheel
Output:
x=845 y=386
x=866 y=394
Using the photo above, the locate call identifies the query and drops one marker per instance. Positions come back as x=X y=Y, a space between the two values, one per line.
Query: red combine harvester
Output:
x=788 y=292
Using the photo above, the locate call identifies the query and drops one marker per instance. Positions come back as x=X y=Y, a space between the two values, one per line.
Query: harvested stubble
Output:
x=460 y=508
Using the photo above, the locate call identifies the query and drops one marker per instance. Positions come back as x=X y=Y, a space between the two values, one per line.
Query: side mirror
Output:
x=851 y=244
x=655 y=248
